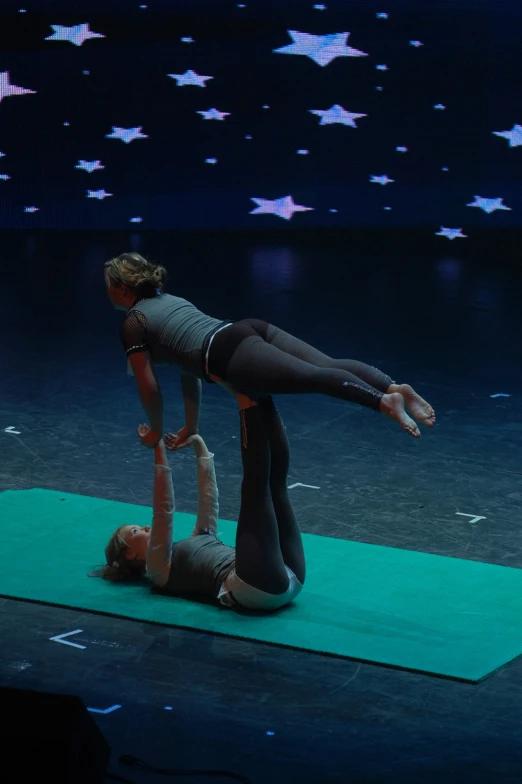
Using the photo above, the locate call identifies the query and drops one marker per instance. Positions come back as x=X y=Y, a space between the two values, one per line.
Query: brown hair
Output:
x=134 y=271
x=118 y=567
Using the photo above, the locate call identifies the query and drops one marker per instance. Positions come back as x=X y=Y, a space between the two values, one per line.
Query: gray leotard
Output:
x=172 y=329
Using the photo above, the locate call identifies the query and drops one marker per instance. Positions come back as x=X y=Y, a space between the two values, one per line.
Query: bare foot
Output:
x=393 y=406
x=415 y=404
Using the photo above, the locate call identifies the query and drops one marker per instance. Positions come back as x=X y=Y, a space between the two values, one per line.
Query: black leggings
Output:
x=257 y=358
x=268 y=536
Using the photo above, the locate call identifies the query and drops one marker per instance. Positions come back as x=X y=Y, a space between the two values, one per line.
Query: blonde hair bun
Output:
x=136 y=272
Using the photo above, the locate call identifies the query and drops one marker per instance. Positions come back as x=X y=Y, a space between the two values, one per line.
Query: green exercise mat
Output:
x=400 y=608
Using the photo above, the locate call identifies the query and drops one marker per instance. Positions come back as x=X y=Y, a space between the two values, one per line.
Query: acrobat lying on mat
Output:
x=266 y=569
x=248 y=356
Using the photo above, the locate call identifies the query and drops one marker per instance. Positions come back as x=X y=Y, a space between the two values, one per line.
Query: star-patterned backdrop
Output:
x=205 y=115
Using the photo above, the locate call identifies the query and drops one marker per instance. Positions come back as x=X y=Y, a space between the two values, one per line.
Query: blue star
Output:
x=451 y=234
x=322 y=49
x=138 y=219
x=488 y=205
x=31 y=209
x=190 y=77
x=439 y=106
x=89 y=166
x=101 y=194
x=336 y=114
x=382 y=67
x=213 y=114
x=77 y=34
x=382 y=179
x=4 y=177
x=401 y=149
x=514 y=135
x=126 y=135
x=416 y=43
x=382 y=15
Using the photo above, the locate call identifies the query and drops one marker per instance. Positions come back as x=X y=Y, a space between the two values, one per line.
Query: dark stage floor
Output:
x=444 y=316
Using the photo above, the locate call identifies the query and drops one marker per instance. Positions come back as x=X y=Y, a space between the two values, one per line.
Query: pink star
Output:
x=7 y=89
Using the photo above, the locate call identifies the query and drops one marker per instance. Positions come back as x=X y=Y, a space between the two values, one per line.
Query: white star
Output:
x=187 y=40
x=31 y=209
x=7 y=90
x=451 y=234
x=4 y=177
x=439 y=106
x=416 y=43
x=382 y=15
x=303 y=152
x=488 y=205
x=320 y=7
x=386 y=208
x=332 y=209
x=77 y=34
x=89 y=166
x=136 y=220
x=214 y=114
x=401 y=149
x=381 y=179
x=382 y=67
x=211 y=160
x=126 y=135
x=283 y=208
x=322 y=49
x=514 y=135
x=2 y=154
x=336 y=114
x=190 y=77
x=102 y=194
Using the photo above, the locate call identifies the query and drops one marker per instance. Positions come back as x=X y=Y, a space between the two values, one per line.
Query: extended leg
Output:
x=415 y=404
x=290 y=540
x=259 y=561
x=258 y=367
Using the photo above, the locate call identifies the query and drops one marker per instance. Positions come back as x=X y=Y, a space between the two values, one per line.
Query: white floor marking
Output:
x=300 y=484
x=476 y=518
x=107 y=710
x=59 y=638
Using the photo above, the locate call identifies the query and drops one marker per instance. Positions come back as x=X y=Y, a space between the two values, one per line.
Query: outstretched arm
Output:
x=159 y=548
x=191 y=390
x=150 y=394
x=208 y=496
